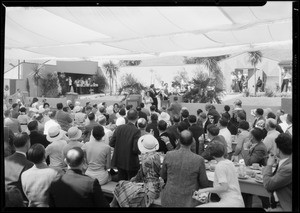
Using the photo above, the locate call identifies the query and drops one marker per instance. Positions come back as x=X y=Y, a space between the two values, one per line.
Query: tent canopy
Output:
x=91 y=33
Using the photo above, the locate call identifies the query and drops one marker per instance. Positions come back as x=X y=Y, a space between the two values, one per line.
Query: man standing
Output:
x=15 y=111
x=285 y=82
x=222 y=124
x=196 y=130
x=63 y=118
x=75 y=189
x=153 y=95
x=124 y=142
x=174 y=108
x=35 y=135
x=280 y=182
x=17 y=163
x=272 y=134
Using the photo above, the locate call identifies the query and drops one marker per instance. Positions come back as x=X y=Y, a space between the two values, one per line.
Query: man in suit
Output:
x=141 y=114
x=185 y=117
x=196 y=130
x=213 y=135
x=153 y=95
x=172 y=130
x=174 y=108
x=152 y=127
x=124 y=141
x=75 y=189
x=259 y=112
x=35 y=136
x=256 y=151
x=183 y=173
x=17 y=163
x=204 y=121
x=164 y=146
x=280 y=182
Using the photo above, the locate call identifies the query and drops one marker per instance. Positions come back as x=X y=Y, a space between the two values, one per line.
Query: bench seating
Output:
x=108 y=189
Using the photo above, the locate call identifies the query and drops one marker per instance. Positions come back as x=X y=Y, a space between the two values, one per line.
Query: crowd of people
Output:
x=60 y=157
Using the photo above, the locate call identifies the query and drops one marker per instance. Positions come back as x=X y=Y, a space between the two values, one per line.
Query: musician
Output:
x=153 y=94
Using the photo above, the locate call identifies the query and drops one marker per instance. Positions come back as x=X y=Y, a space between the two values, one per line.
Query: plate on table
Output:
x=251 y=167
x=243 y=177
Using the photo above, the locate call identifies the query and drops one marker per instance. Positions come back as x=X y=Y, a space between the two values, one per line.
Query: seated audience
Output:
x=196 y=130
x=74 y=189
x=108 y=133
x=75 y=138
x=121 y=117
x=183 y=172
x=90 y=126
x=172 y=131
x=98 y=156
x=12 y=123
x=15 y=111
x=279 y=182
x=241 y=141
x=63 y=118
x=37 y=180
x=141 y=125
x=226 y=183
x=146 y=182
x=51 y=122
x=278 y=127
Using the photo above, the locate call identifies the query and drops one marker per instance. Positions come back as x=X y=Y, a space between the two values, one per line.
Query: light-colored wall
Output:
x=78 y=67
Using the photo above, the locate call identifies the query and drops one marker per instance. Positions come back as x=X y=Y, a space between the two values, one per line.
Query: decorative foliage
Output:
x=131 y=85
x=125 y=63
x=254 y=58
x=111 y=70
x=181 y=77
x=49 y=85
x=28 y=86
x=100 y=80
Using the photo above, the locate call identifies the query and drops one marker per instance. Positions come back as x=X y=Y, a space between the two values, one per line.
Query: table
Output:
x=86 y=89
x=249 y=186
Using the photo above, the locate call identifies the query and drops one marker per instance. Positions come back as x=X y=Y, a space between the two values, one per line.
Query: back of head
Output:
x=244 y=125
x=238 y=102
x=7 y=113
x=59 y=106
x=223 y=121
x=186 y=138
x=142 y=105
x=23 y=109
x=98 y=132
x=122 y=112
x=102 y=120
x=241 y=115
x=102 y=109
x=213 y=130
x=192 y=119
x=91 y=116
x=154 y=117
x=132 y=115
x=203 y=115
x=75 y=157
x=284 y=143
x=176 y=118
x=152 y=108
x=52 y=114
x=162 y=125
x=217 y=149
x=32 y=125
x=259 y=111
x=21 y=139
x=182 y=126
x=208 y=106
x=138 y=108
x=199 y=111
x=13 y=197
x=36 y=153
x=128 y=107
x=271 y=122
x=88 y=109
x=271 y=115
x=185 y=113
x=257 y=133
x=14 y=105
x=142 y=123
x=227 y=108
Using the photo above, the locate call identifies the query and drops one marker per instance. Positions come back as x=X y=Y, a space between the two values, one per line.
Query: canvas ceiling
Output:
x=92 y=33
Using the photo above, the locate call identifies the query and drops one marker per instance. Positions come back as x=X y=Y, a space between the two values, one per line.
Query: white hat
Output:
x=69 y=102
x=147 y=143
x=164 y=116
x=77 y=103
x=55 y=133
x=283 y=118
x=77 y=109
x=74 y=133
x=120 y=121
x=35 y=105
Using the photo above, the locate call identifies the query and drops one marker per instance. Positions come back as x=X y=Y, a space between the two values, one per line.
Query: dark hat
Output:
x=244 y=125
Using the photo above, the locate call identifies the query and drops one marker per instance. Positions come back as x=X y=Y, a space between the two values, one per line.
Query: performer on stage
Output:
x=148 y=101
x=70 y=83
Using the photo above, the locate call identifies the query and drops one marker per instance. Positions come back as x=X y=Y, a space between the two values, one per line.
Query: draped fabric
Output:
x=139 y=32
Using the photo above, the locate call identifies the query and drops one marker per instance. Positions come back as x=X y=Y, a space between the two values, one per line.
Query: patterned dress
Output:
x=144 y=188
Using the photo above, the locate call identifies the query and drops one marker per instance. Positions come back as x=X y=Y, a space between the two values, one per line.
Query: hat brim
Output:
x=143 y=149
x=77 y=136
x=61 y=134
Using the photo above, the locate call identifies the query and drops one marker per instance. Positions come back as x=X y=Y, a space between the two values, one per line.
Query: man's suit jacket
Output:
x=205 y=153
x=153 y=126
x=36 y=137
x=75 y=189
x=15 y=165
x=257 y=154
x=124 y=141
x=143 y=115
x=281 y=183
x=197 y=131
x=207 y=122
x=162 y=146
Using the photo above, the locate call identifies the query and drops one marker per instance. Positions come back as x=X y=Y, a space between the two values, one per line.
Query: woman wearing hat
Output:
x=57 y=140
x=74 y=135
x=144 y=188
x=98 y=156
